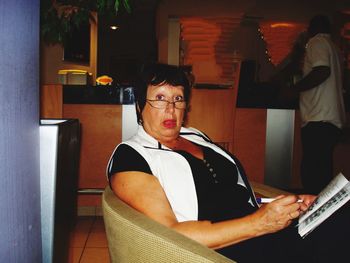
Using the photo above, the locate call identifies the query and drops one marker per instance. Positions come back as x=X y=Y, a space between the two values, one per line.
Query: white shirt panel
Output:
x=324 y=102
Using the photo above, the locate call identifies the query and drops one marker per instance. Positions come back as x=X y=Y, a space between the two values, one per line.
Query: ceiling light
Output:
x=282 y=25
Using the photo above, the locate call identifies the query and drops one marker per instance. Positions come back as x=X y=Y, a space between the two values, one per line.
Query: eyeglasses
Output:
x=163 y=104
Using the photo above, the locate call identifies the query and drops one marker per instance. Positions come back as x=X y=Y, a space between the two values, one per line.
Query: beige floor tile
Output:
x=95 y=255
x=75 y=253
x=97 y=238
x=78 y=239
x=80 y=233
x=84 y=223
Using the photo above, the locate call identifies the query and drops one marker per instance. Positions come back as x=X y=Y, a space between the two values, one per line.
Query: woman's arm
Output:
x=143 y=192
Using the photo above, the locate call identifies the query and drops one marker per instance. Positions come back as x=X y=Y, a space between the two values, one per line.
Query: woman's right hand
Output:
x=276 y=215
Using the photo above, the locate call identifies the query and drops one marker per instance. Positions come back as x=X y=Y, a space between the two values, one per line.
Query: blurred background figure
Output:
x=321 y=104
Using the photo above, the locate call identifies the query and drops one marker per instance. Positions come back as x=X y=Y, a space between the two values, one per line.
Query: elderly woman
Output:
x=180 y=178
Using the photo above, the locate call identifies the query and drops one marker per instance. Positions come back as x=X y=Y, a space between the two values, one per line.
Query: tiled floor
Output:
x=88 y=243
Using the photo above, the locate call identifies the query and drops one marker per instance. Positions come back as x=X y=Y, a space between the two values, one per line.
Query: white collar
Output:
x=149 y=141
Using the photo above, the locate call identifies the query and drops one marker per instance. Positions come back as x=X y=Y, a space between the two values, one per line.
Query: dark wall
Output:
x=122 y=51
x=20 y=239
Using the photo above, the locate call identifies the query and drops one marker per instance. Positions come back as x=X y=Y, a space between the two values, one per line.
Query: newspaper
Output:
x=335 y=195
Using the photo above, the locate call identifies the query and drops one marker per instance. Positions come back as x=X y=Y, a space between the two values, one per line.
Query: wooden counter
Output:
x=242 y=131
x=212 y=111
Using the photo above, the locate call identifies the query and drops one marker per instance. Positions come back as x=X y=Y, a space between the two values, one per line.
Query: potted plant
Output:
x=59 y=18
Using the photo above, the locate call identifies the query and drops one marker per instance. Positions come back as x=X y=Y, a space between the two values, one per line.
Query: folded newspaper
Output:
x=335 y=195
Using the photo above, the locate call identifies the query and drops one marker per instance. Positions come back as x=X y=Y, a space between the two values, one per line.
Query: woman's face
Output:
x=163 y=124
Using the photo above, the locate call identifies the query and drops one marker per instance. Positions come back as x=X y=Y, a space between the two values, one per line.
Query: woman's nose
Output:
x=170 y=106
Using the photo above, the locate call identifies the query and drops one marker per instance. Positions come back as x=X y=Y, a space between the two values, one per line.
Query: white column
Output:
x=173 y=41
x=279 y=147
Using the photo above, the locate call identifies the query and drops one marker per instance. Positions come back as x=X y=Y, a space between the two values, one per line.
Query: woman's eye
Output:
x=160 y=97
x=178 y=98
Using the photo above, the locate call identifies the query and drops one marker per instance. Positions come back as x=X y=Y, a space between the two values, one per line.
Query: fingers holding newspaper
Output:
x=306 y=201
x=310 y=210
x=329 y=200
x=278 y=214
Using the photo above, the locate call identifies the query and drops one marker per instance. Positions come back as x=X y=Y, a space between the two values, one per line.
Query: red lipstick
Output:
x=169 y=123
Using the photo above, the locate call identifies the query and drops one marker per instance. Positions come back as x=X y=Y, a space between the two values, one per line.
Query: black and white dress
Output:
x=222 y=194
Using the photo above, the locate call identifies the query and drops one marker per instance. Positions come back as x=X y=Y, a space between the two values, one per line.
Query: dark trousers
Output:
x=318 y=142
x=329 y=242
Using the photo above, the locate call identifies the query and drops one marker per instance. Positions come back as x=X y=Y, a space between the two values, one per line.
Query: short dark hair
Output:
x=319 y=24
x=158 y=74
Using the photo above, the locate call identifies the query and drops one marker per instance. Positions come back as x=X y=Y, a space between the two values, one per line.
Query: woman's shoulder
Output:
x=125 y=150
x=126 y=158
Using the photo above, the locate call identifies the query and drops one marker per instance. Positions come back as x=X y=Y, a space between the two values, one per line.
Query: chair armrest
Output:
x=133 y=237
x=264 y=190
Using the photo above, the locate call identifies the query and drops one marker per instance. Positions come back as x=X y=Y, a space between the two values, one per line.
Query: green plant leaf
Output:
x=126 y=5
x=116 y=6
x=57 y=26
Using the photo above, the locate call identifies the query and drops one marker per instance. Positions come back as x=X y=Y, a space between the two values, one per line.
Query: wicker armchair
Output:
x=133 y=238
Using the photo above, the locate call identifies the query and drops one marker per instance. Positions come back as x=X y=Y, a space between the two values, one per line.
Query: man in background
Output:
x=321 y=105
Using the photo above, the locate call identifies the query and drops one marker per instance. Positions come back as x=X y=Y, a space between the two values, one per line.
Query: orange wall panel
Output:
x=101 y=131
x=213 y=112
x=249 y=141
x=89 y=200
x=51 y=101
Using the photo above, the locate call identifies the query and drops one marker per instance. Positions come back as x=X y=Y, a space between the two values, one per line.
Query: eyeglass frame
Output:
x=168 y=103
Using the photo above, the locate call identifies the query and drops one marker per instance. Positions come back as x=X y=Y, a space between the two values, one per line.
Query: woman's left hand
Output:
x=307 y=201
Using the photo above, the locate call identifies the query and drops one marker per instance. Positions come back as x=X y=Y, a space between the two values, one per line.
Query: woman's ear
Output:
x=138 y=113
x=138 y=109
